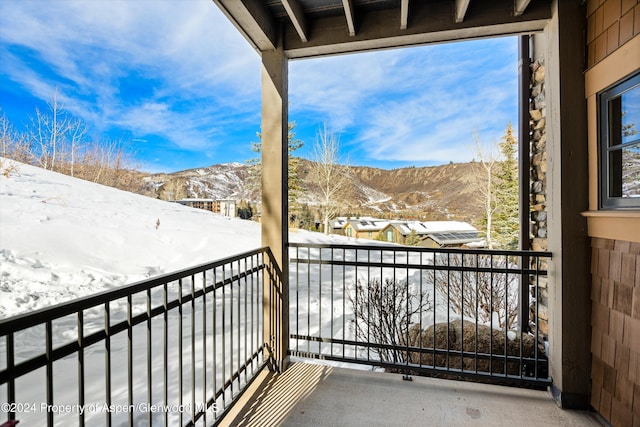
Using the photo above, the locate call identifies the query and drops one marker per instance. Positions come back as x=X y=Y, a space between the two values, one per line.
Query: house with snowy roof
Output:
x=432 y=234
x=364 y=227
x=337 y=225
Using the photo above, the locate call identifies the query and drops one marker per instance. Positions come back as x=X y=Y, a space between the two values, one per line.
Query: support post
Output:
x=568 y=197
x=275 y=232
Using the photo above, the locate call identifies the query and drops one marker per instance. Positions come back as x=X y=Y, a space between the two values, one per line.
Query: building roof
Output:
x=367 y=224
x=455 y=237
x=193 y=199
x=339 y=222
x=423 y=228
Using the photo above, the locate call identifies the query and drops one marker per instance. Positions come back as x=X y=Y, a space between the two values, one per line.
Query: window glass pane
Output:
x=624 y=172
x=630 y=114
x=615 y=122
x=619 y=140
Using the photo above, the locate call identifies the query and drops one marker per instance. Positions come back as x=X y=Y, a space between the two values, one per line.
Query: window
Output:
x=619 y=122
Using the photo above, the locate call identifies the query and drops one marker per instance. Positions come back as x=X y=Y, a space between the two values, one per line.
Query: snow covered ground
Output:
x=62 y=238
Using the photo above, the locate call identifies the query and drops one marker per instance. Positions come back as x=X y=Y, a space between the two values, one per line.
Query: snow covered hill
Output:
x=62 y=237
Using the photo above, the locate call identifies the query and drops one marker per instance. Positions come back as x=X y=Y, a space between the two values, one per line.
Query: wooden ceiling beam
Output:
x=253 y=20
x=404 y=14
x=461 y=10
x=296 y=14
x=350 y=15
x=429 y=22
x=520 y=6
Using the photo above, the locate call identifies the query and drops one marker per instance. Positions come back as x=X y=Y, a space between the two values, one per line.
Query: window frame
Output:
x=606 y=201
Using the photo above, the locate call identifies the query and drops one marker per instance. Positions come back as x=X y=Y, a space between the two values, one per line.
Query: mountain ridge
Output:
x=445 y=192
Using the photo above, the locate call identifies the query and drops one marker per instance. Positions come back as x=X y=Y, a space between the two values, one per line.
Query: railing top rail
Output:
x=403 y=248
x=33 y=318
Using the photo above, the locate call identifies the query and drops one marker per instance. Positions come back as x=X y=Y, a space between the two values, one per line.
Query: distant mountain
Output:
x=429 y=193
x=227 y=180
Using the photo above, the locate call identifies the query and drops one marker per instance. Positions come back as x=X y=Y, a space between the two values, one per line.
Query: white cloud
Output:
x=95 y=52
x=419 y=104
x=178 y=70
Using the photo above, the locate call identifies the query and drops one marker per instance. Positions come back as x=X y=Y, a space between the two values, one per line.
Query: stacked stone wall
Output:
x=538 y=191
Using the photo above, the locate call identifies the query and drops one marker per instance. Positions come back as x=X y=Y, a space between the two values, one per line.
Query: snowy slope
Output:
x=61 y=238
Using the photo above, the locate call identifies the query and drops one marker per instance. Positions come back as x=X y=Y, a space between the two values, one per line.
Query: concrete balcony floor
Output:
x=315 y=395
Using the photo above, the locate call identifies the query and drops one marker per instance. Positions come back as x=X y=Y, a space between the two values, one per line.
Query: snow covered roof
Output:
x=367 y=224
x=423 y=228
x=193 y=199
x=442 y=226
x=455 y=237
x=406 y=227
x=339 y=222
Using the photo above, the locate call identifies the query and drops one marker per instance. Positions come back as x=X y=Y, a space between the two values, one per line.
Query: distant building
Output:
x=226 y=207
x=337 y=225
x=206 y=204
x=365 y=228
x=432 y=234
x=397 y=231
x=452 y=239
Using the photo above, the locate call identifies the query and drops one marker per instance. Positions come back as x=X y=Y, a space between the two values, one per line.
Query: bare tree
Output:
x=14 y=145
x=488 y=158
x=326 y=172
x=56 y=140
x=5 y=135
x=45 y=132
x=108 y=162
x=77 y=134
x=55 y=136
x=384 y=311
x=498 y=188
x=174 y=189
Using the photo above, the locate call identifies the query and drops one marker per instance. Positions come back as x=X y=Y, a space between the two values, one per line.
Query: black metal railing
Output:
x=174 y=350
x=452 y=312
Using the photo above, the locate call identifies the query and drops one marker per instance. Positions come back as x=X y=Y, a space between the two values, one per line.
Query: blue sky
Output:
x=178 y=82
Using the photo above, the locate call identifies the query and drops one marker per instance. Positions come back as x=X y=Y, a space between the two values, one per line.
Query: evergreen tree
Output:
x=245 y=211
x=412 y=239
x=255 y=172
x=307 y=219
x=506 y=222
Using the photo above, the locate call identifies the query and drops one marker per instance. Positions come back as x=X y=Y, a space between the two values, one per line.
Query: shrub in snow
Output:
x=457 y=336
x=7 y=167
x=384 y=312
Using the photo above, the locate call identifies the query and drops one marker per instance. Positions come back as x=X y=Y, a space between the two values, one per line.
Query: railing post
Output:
x=524 y=154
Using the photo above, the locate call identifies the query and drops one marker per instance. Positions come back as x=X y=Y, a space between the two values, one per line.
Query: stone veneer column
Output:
x=538 y=192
